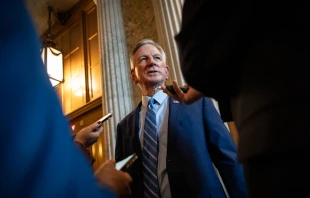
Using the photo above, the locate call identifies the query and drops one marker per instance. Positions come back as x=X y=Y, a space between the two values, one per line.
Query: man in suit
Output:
x=38 y=156
x=176 y=143
x=253 y=55
x=192 y=95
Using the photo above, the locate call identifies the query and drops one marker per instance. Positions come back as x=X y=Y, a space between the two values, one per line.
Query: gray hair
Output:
x=140 y=44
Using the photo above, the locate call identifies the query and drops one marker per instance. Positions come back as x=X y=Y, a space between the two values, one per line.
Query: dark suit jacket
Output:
x=252 y=54
x=38 y=156
x=196 y=135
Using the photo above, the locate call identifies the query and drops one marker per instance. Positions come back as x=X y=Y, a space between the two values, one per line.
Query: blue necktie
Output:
x=150 y=153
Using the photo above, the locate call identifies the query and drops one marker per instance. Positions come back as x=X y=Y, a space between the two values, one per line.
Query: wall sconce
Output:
x=52 y=58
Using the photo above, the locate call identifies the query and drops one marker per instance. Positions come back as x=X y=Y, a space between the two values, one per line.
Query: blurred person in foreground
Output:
x=252 y=54
x=38 y=157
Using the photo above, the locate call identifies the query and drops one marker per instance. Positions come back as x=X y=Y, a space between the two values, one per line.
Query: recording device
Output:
x=171 y=89
x=103 y=119
x=125 y=164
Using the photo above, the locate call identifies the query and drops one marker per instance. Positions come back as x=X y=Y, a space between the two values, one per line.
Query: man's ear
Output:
x=167 y=71
x=133 y=76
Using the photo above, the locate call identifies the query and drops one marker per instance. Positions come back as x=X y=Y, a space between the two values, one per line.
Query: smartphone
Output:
x=171 y=89
x=125 y=164
x=103 y=119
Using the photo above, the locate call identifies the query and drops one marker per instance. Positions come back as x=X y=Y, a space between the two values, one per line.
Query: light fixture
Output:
x=52 y=57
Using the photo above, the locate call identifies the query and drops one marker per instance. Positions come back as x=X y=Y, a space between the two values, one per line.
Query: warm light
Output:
x=79 y=92
x=53 y=60
x=100 y=149
x=76 y=86
x=93 y=149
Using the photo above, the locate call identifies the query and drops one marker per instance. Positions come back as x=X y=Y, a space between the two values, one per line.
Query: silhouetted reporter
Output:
x=38 y=156
x=254 y=55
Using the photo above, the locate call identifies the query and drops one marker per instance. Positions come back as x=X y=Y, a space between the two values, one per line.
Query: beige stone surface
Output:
x=139 y=23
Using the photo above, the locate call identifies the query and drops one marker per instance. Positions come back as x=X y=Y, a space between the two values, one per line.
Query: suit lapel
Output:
x=134 y=132
x=174 y=111
x=133 y=146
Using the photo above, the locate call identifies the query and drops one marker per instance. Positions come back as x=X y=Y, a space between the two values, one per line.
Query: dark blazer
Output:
x=38 y=156
x=253 y=55
x=196 y=135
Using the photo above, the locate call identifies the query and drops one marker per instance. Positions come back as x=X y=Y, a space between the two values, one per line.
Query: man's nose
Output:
x=151 y=62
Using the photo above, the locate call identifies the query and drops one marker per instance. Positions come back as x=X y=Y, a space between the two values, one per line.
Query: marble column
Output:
x=117 y=91
x=168 y=21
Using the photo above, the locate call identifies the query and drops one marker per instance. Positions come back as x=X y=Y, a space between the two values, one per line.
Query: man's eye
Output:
x=142 y=59
x=157 y=57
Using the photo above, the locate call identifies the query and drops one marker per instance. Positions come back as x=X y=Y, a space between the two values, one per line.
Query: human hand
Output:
x=187 y=98
x=89 y=135
x=118 y=181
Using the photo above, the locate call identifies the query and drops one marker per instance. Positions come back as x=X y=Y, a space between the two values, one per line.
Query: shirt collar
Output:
x=160 y=97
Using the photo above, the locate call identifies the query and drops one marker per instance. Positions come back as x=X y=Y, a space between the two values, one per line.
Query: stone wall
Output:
x=139 y=22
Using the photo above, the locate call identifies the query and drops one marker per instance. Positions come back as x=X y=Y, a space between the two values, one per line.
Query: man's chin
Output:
x=156 y=82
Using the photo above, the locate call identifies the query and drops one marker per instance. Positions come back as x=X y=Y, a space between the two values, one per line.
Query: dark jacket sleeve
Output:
x=86 y=152
x=119 y=145
x=225 y=110
x=223 y=152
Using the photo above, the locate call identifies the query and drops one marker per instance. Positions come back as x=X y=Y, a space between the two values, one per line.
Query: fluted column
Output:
x=168 y=15
x=117 y=88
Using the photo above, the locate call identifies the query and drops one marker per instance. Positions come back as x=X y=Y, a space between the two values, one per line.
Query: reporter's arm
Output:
x=86 y=152
x=87 y=137
x=190 y=97
x=119 y=181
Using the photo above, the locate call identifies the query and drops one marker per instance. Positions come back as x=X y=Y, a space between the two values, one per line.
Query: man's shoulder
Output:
x=199 y=105
x=198 y=102
x=130 y=118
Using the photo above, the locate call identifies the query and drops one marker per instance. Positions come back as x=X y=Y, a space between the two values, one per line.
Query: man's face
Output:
x=149 y=67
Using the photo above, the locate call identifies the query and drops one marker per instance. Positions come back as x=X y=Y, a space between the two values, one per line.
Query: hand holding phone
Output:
x=125 y=164
x=90 y=134
x=103 y=119
x=118 y=181
x=170 y=88
x=186 y=94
